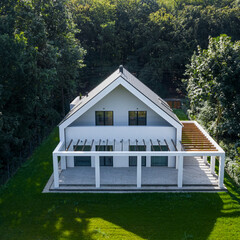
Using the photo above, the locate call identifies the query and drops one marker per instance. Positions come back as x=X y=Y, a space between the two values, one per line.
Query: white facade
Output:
x=120 y=96
x=121 y=101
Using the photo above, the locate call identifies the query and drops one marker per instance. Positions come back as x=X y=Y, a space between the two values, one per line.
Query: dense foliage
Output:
x=41 y=55
x=40 y=60
x=213 y=87
x=153 y=39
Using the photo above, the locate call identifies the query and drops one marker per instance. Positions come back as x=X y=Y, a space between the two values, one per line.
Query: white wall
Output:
x=120 y=101
x=118 y=133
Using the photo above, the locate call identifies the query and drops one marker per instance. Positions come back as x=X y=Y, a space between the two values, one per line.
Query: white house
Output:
x=122 y=134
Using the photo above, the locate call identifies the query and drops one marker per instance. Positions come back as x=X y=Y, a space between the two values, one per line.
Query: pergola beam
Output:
x=152 y=144
x=100 y=140
x=144 y=143
x=69 y=145
x=182 y=147
x=84 y=144
x=159 y=144
x=92 y=144
x=174 y=145
x=167 y=145
x=76 y=145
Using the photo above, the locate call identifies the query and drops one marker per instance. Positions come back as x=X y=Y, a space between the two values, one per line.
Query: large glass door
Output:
x=133 y=159
x=84 y=160
x=105 y=160
x=159 y=160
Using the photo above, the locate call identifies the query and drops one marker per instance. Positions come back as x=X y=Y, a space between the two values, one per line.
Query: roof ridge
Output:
x=132 y=80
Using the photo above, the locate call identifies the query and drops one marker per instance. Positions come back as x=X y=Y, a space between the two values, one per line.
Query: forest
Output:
x=51 y=51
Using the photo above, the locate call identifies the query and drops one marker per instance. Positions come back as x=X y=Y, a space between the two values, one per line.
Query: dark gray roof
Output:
x=127 y=76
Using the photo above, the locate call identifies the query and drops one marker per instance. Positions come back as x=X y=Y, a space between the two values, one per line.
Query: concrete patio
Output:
x=196 y=176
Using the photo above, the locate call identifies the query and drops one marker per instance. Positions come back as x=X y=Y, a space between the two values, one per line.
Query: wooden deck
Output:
x=194 y=140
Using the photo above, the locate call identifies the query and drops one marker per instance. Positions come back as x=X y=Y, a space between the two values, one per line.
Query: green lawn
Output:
x=27 y=214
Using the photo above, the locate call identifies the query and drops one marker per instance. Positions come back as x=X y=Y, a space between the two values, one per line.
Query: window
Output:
x=159 y=160
x=84 y=160
x=105 y=160
x=133 y=159
x=137 y=118
x=104 y=117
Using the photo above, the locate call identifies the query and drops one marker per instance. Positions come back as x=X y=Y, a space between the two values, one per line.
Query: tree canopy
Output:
x=40 y=60
x=213 y=86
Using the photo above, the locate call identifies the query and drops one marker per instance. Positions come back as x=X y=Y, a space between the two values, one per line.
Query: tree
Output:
x=40 y=61
x=213 y=86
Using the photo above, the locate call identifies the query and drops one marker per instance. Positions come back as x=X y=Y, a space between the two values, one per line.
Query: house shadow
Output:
x=146 y=215
x=120 y=216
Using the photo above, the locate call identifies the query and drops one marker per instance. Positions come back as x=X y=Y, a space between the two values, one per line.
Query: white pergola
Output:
x=62 y=151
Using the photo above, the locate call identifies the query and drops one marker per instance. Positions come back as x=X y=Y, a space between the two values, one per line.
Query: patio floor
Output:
x=196 y=175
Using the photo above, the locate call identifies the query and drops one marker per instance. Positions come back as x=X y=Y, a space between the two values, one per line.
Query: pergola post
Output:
x=139 y=171
x=97 y=171
x=221 y=170
x=205 y=159
x=63 y=163
x=55 y=171
x=212 y=164
x=180 y=171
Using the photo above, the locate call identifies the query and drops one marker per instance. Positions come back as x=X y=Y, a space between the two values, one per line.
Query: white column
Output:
x=139 y=171
x=63 y=163
x=148 y=158
x=55 y=171
x=212 y=166
x=171 y=159
x=180 y=171
x=97 y=171
x=221 y=171
x=205 y=159
x=179 y=138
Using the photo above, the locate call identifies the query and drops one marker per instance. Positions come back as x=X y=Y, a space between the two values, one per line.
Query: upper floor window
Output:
x=104 y=117
x=137 y=118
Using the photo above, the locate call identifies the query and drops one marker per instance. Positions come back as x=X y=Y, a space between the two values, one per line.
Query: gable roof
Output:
x=137 y=84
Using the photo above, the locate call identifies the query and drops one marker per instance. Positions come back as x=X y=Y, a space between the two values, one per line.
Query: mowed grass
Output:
x=28 y=214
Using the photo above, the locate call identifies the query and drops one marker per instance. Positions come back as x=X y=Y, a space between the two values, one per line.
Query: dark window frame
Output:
x=133 y=148
x=104 y=160
x=83 y=159
x=137 y=119
x=104 y=119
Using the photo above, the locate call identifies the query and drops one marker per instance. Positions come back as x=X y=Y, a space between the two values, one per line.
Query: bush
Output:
x=233 y=161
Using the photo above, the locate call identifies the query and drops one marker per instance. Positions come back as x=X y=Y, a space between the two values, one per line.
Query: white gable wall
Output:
x=120 y=101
